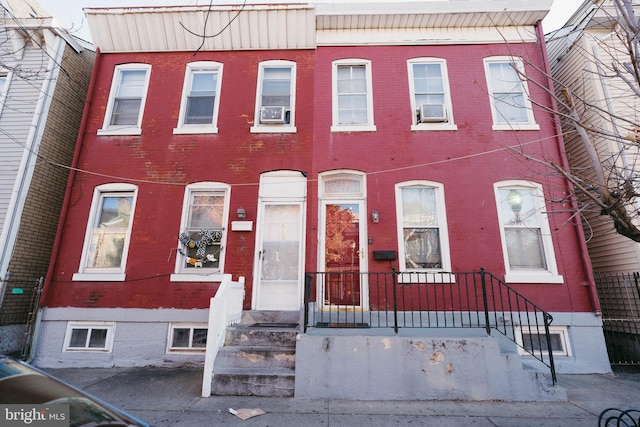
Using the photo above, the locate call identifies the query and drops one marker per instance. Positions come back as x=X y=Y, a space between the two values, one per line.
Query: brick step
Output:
x=273 y=382
x=256 y=357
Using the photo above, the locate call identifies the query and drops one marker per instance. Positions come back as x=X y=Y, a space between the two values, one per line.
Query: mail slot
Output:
x=385 y=255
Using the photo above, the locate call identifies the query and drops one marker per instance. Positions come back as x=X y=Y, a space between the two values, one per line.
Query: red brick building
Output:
x=310 y=138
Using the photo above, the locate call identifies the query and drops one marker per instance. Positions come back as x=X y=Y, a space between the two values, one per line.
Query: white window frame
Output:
x=112 y=274
x=107 y=127
x=191 y=69
x=4 y=89
x=424 y=275
x=553 y=330
x=182 y=274
x=336 y=126
x=90 y=326
x=548 y=275
x=500 y=123
x=290 y=127
x=186 y=350
x=415 y=124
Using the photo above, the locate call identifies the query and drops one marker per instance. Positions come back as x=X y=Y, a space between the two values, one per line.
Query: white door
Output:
x=280 y=266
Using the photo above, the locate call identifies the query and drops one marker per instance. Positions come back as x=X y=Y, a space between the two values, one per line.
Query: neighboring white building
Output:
x=579 y=55
x=44 y=78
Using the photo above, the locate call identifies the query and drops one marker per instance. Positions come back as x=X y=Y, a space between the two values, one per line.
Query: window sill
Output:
x=516 y=126
x=120 y=131
x=87 y=350
x=186 y=130
x=273 y=129
x=189 y=351
x=359 y=128
x=532 y=277
x=409 y=277
x=191 y=277
x=99 y=277
x=433 y=126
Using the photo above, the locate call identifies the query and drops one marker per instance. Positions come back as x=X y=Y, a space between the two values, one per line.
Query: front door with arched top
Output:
x=343 y=254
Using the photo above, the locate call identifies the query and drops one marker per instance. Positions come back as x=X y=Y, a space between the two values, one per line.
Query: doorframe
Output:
x=280 y=187
x=326 y=197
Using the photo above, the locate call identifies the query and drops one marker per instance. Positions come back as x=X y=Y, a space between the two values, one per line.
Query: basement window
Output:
x=187 y=338
x=81 y=336
x=533 y=340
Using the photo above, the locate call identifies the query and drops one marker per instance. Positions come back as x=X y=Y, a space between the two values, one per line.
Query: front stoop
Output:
x=258 y=356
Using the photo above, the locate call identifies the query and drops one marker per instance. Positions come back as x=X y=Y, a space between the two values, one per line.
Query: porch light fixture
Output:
x=375 y=216
x=241 y=213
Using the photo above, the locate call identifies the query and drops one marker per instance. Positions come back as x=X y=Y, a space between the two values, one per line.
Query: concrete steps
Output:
x=258 y=357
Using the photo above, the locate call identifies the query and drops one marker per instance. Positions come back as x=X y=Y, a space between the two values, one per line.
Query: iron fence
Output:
x=619 y=295
x=19 y=299
x=343 y=299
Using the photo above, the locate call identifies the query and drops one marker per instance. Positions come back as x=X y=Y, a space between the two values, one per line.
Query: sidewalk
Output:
x=171 y=397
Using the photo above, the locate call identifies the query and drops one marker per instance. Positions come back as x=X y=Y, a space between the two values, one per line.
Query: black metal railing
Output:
x=619 y=295
x=397 y=300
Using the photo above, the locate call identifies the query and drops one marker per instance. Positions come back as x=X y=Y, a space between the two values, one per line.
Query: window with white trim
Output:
x=89 y=336
x=126 y=100
x=422 y=229
x=187 y=338
x=352 y=99
x=5 y=78
x=275 y=97
x=200 y=98
x=508 y=94
x=526 y=238
x=430 y=94
x=203 y=232
x=106 y=244
x=534 y=340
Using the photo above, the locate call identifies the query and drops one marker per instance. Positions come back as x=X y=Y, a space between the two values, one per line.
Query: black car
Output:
x=29 y=394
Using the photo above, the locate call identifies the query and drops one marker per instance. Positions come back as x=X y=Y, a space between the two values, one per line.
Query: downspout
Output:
x=27 y=165
x=72 y=174
x=582 y=242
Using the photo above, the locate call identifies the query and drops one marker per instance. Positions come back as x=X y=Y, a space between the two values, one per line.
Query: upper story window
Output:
x=352 y=96
x=5 y=78
x=508 y=94
x=526 y=238
x=126 y=100
x=275 y=97
x=430 y=94
x=203 y=233
x=422 y=229
x=106 y=244
x=200 y=98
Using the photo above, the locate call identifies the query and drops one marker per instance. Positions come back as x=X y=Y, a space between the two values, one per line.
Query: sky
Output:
x=69 y=12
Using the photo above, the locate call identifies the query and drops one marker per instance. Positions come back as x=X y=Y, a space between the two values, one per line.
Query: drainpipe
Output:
x=582 y=243
x=72 y=174
x=27 y=165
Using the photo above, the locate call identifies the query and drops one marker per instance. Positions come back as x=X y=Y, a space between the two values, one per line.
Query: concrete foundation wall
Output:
x=588 y=350
x=140 y=338
x=414 y=368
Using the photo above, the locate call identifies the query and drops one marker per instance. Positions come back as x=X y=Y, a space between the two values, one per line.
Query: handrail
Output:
x=428 y=300
x=225 y=309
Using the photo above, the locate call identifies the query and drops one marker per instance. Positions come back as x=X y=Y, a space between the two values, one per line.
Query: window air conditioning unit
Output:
x=273 y=114
x=432 y=113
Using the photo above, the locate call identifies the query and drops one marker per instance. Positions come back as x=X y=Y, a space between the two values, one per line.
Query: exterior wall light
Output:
x=241 y=213
x=375 y=216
